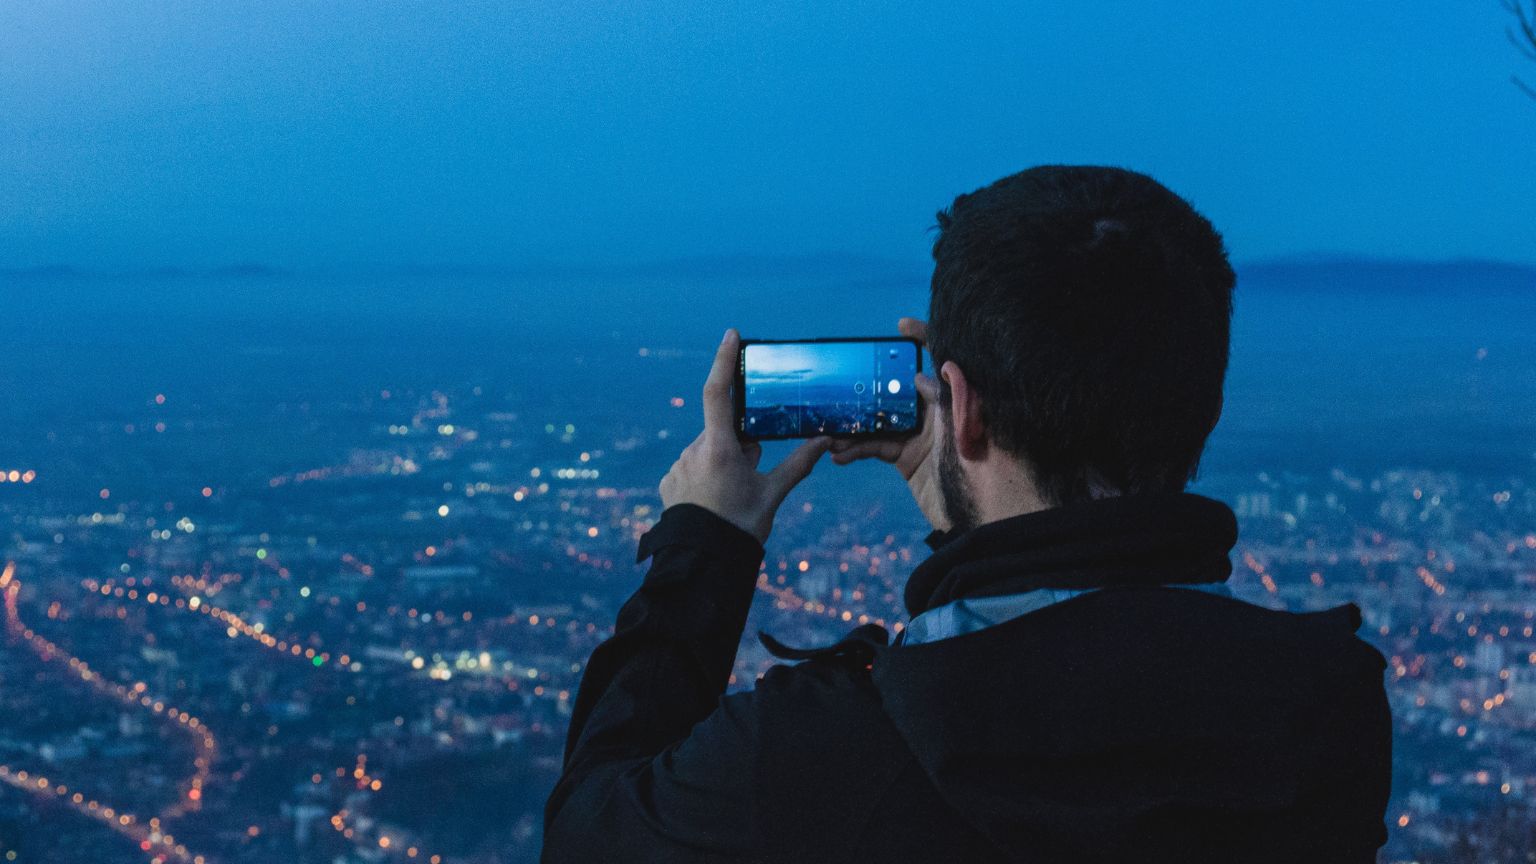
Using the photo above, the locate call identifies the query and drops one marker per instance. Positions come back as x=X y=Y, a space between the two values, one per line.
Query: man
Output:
x=1074 y=684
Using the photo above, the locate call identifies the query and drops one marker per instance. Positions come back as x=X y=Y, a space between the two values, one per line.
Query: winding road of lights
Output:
x=234 y=626
x=160 y=846
x=237 y=627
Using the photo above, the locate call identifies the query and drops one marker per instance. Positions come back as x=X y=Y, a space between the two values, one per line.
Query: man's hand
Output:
x=718 y=471
x=911 y=455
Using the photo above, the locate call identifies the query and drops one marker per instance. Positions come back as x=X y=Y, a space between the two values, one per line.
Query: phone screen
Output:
x=828 y=387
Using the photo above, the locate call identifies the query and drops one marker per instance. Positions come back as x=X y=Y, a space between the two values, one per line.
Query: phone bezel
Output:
x=739 y=390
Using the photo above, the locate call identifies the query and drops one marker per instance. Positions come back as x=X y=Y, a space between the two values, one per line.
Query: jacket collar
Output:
x=1150 y=539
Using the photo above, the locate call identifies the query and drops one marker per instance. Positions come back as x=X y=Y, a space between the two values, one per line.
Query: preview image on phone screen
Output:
x=801 y=389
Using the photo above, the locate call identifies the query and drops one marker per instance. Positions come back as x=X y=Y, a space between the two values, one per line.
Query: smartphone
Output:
x=855 y=387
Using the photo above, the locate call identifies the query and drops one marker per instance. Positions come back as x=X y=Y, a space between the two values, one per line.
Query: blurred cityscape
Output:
x=347 y=625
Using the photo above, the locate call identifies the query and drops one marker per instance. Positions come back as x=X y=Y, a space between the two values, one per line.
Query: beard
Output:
x=954 y=489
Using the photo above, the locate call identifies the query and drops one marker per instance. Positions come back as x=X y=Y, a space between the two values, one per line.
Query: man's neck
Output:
x=1006 y=490
x=1012 y=491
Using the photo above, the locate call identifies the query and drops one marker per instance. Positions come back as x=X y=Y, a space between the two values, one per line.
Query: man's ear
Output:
x=965 y=412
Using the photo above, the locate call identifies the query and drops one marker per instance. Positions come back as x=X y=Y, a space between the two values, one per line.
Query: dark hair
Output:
x=1090 y=308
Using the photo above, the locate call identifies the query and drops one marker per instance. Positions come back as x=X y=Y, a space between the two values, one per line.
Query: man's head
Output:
x=1079 y=325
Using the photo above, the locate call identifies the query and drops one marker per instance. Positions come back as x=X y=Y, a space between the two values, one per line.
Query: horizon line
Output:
x=759 y=264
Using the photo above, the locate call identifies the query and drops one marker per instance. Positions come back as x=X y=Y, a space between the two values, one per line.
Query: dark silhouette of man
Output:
x=1075 y=683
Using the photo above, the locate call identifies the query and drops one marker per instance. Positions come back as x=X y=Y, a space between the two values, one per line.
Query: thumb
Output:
x=796 y=466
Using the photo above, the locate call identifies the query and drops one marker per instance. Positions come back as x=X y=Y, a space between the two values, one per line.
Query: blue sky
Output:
x=516 y=134
x=817 y=364
x=795 y=363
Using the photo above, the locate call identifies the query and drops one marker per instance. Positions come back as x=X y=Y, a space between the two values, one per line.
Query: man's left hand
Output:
x=718 y=471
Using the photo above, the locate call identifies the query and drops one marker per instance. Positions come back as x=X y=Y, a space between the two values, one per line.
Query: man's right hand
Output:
x=912 y=455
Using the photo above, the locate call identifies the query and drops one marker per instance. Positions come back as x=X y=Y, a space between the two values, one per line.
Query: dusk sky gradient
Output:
x=320 y=135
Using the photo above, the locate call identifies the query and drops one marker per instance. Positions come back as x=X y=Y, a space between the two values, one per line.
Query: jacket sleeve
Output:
x=651 y=767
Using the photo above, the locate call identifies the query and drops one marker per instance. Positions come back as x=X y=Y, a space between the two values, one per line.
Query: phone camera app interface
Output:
x=800 y=389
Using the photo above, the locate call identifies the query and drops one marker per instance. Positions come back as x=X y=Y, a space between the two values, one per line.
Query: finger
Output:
x=927 y=387
x=858 y=445
x=913 y=328
x=754 y=452
x=718 y=411
x=796 y=466
x=888 y=451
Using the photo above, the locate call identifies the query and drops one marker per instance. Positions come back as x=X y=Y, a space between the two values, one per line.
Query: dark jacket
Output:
x=1137 y=722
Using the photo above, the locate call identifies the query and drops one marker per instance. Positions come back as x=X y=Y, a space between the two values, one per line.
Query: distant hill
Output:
x=1306 y=273
x=249 y=270
x=811 y=265
x=1371 y=274
x=751 y=266
x=40 y=271
x=246 y=270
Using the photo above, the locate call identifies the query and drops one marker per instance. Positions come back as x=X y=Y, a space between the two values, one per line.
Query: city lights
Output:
x=425 y=597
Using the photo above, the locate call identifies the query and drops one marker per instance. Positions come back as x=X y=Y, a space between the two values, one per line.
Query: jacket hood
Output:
x=1125 y=540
